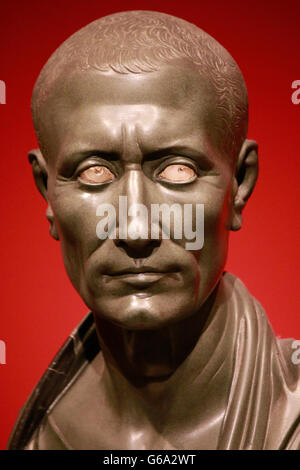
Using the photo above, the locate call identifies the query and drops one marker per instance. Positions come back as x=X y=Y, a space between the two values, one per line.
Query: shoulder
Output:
x=75 y=417
x=76 y=354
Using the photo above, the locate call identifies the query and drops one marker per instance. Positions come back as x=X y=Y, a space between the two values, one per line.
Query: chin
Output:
x=143 y=312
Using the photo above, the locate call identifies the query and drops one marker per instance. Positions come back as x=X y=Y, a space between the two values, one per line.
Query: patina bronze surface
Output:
x=176 y=353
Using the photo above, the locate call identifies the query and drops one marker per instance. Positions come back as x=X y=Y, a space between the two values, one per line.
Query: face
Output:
x=149 y=137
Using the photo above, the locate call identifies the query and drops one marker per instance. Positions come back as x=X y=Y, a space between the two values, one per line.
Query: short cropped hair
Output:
x=140 y=42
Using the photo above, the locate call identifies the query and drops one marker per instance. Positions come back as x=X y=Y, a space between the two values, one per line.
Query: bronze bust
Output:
x=145 y=108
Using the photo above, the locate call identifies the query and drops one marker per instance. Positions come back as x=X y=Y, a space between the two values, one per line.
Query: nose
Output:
x=134 y=222
x=139 y=248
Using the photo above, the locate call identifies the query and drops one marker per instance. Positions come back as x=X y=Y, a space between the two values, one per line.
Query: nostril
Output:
x=139 y=248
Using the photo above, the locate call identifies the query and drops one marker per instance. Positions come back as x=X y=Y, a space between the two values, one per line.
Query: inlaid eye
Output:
x=177 y=173
x=96 y=174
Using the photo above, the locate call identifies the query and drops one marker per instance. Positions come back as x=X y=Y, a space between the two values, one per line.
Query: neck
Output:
x=171 y=366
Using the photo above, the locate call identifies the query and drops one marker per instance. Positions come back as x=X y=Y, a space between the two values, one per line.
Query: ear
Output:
x=40 y=174
x=244 y=180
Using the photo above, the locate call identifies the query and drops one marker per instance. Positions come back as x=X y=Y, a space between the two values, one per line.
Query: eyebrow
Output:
x=65 y=161
x=184 y=150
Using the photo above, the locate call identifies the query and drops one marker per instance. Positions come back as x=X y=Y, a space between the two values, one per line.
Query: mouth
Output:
x=137 y=270
x=140 y=277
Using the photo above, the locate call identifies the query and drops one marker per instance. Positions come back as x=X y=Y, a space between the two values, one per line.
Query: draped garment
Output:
x=263 y=406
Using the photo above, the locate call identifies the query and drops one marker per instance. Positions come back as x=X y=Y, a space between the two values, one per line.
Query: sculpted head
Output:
x=143 y=105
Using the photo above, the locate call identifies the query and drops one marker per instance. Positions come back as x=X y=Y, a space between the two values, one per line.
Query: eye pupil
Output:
x=179 y=173
x=96 y=175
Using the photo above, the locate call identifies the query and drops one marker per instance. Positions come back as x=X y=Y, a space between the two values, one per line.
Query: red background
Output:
x=38 y=305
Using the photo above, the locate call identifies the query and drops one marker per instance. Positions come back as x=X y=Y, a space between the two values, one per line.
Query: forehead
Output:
x=175 y=102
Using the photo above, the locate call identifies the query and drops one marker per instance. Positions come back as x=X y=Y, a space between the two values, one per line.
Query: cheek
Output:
x=217 y=215
x=75 y=216
x=211 y=258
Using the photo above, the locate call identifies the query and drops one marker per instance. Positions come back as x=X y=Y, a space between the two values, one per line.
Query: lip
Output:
x=136 y=271
x=140 y=279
